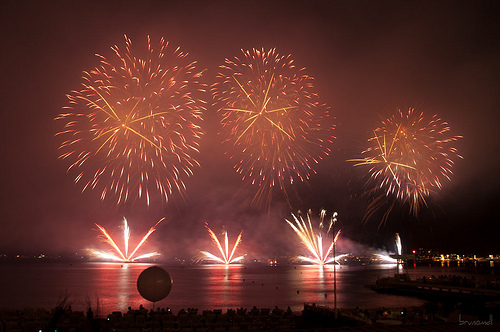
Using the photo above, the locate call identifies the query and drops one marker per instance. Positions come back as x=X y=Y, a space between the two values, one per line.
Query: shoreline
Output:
x=313 y=316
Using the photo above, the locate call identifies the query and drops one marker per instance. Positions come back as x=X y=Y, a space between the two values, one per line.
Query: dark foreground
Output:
x=430 y=317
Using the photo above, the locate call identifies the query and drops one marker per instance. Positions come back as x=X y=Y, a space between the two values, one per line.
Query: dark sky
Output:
x=368 y=59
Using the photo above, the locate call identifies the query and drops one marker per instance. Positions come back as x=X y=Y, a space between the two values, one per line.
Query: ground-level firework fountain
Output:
x=399 y=251
x=124 y=256
x=313 y=240
x=226 y=256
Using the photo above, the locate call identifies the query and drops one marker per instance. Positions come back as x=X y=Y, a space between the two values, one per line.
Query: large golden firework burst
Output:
x=274 y=126
x=408 y=158
x=132 y=131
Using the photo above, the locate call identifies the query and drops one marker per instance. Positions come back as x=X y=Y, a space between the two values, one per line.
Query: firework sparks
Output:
x=132 y=131
x=409 y=158
x=124 y=256
x=226 y=257
x=313 y=240
x=273 y=123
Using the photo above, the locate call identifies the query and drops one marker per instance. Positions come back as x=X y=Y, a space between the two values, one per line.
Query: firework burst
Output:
x=227 y=257
x=409 y=157
x=124 y=255
x=312 y=238
x=133 y=129
x=274 y=126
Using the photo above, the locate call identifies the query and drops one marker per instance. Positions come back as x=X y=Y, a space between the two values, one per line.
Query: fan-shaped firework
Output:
x=226 y=256
x=124 y=256
x=312 y=238
x=273 y=123
x=133 y=129
x=409 y=157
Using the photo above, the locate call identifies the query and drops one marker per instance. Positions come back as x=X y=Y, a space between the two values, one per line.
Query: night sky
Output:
x=368 y=58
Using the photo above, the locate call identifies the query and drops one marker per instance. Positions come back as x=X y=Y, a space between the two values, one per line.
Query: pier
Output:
x=402 y=284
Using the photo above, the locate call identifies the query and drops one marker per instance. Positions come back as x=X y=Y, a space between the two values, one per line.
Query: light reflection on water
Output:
x=113 y=286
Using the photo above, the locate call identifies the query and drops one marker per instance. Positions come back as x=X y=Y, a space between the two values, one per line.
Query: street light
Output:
x=334 y=219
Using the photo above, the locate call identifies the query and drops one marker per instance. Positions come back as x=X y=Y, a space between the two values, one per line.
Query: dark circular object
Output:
x=154 y=283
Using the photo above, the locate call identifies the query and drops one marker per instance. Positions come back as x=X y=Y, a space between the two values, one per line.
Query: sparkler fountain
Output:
x=124 y=256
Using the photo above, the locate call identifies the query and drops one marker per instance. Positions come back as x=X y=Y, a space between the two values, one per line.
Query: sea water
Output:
x=108 y=287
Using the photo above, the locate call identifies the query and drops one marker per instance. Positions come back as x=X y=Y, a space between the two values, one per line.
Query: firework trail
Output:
x=273 y=125
x=124 y=256
x=133 y=130
x=226 y=256
x=408 y=158
x=313 y=239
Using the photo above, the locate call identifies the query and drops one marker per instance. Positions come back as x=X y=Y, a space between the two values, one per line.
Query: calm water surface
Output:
x=113 y=286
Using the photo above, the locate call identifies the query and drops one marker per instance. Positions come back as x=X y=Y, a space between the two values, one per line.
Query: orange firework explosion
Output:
x=124 y=256
x=313 y=239
x=273 y=124
x=133 y=129
x=409 y=157
x=226 y=256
